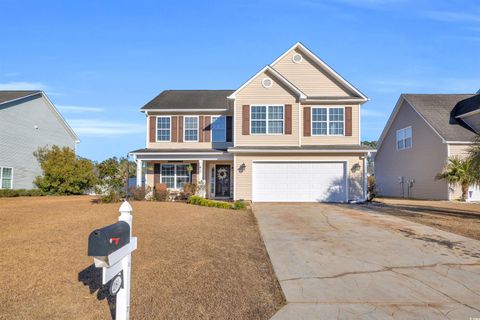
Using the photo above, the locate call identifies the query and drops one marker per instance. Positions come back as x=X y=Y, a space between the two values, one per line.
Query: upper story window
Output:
x=191 y=128
x=219 y=129
x=267 y=119
x=404 y=138
x=328 y=121
x=163 y=128
x=6 y=178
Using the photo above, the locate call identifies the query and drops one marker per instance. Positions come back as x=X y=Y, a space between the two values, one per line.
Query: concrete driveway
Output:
x=335 y=262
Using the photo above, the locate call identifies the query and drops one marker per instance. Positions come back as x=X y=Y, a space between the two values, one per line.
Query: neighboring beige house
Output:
x=289 y=133
x=423 y=131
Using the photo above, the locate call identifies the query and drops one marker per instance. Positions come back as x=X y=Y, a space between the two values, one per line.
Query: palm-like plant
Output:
x=474 y=155
x=458 y=172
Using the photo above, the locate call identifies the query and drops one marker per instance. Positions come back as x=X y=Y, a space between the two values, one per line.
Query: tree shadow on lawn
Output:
x=92 y=277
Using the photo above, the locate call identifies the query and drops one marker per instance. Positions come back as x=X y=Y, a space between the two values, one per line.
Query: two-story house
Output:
x=422 y=133
x=29 y=121
x=289 y=133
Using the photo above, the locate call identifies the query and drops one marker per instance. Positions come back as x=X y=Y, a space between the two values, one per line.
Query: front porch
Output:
x=211 y=171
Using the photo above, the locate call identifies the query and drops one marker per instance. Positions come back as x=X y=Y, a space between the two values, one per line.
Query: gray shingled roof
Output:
x=437 y=109
x=189 y=99
x=8 y=95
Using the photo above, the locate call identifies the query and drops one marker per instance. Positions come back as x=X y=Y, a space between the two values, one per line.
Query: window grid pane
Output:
x=163 y=129
x=6 y=175
x=259 y=119
x=335 y=117
x=168 y=175
x=275 y=119
x=191 y=128
x=175 y=175
x=319 y=121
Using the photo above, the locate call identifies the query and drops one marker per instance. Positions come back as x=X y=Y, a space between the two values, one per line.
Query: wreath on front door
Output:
x=222 y=173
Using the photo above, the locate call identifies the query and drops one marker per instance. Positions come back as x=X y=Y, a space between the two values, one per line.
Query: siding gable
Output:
x=309 y=77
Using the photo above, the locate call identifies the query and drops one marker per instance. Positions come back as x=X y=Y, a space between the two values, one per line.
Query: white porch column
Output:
x=201 y=179
x=139 y=173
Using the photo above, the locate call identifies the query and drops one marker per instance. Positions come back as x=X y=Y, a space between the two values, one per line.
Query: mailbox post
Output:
x=111 y=248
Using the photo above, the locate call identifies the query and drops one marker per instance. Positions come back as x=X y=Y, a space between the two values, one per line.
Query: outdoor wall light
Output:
x=242 y=167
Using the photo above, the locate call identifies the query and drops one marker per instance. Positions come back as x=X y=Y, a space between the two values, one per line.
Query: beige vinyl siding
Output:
x=422 y=162
x=188 y=145
x=309 y=78
x=255 y=94
x=329 y=140
x=243 y=180
x=460 y=151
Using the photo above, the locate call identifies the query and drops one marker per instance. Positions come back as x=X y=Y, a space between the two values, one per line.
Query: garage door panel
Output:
x=299 y=181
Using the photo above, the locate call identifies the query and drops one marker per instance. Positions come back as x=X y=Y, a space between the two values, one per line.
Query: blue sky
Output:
x=100 y=61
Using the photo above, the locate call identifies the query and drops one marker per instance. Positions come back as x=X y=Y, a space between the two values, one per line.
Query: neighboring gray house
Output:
x=29 y=120
x=423 y=131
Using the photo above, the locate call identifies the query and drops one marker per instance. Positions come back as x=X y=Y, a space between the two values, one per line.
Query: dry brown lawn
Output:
x=191 y=262
x=452 y=216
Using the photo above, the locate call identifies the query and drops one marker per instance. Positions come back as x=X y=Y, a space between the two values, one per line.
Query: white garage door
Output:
x=299 y=182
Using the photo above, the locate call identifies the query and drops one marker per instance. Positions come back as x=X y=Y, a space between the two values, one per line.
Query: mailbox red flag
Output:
x=116 y=240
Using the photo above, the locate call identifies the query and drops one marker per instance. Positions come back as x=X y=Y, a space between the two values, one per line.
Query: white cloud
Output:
x=20 y=85
x=104 y=128
x=453 y=16
x=372 y=113
x=78 y=109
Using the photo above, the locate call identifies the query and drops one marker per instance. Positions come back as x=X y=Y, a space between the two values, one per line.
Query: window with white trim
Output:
x=174 y=176
x=404 y=138
x=6 y=178
x=219 y=129
x=328 y=121
x=190 y=129
x=163 y=128
x=267 y=119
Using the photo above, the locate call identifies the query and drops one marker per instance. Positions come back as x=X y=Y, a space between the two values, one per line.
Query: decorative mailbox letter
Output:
x=111 y=248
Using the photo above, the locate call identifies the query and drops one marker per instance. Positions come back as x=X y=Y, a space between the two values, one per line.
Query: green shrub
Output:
x=63 y=171
x=239 y=205
x=199 y=201
x=110 y=197
x=6 y=193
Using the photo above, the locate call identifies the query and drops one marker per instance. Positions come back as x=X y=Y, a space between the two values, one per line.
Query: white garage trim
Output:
x=345 y=171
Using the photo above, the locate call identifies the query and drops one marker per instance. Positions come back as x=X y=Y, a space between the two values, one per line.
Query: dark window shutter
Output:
x=229 y=129
x=194 y=172
x=153 y=129
x=306 y=122
x=207 y=128
x=156 y=174
x=174 y=124
x=288 y=119
x=348 y=121
x=200 y=129
x=180 y=129
x=246 y=120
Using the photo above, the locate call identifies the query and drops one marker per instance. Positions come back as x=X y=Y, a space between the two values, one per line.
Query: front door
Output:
x=222 y=181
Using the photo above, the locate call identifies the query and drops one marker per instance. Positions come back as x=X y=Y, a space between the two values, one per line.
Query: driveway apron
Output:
x=335 y=262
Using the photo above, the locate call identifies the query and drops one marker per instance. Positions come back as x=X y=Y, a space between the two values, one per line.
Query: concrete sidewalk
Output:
x=338 y=263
